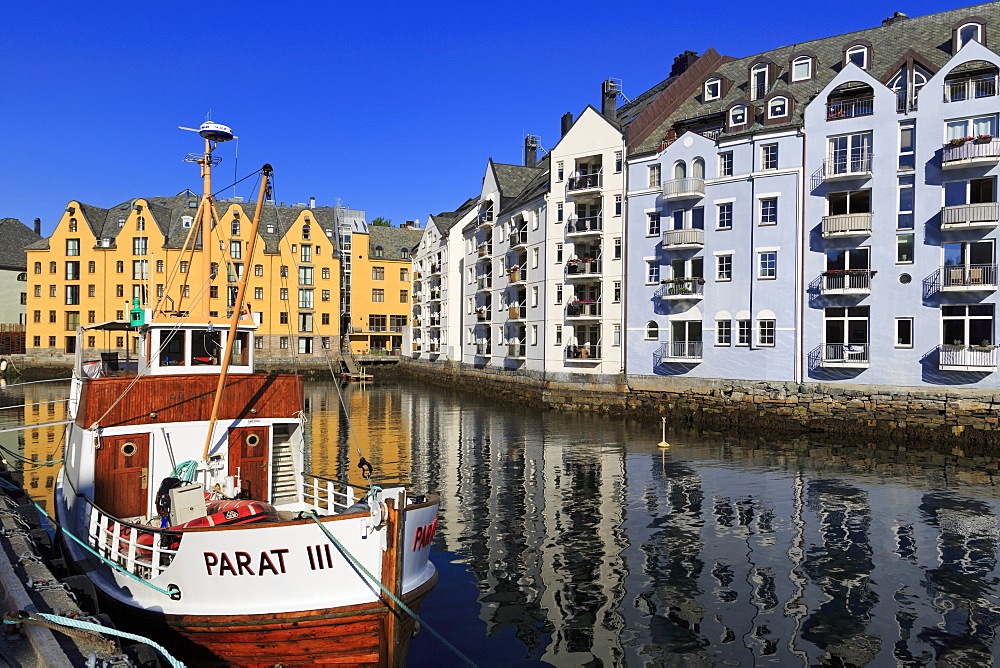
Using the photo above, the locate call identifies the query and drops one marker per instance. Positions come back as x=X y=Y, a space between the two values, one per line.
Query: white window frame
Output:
x=772 y=103
x=896 y=331
x=768 y=154
x=744 y=332
x=766 y=332
x=719 y=207
x=723 y=267
x=740 y=108
x=654 y=224
x=655 y=175
x=724 y=333
x=767 y=270
x=760 y=209
x=725 y=163
x=857 y=48
x=710 y=84
x=978 y=38
x=807 y=61
x=652 y=272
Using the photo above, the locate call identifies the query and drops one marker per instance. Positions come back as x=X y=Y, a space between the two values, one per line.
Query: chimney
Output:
x=530 y=150
x=312 y=202
x=609 y=98
x=38 y=226
x=682 y=62
x=567 y=123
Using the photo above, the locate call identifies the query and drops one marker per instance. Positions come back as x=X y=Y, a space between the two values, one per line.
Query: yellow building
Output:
x=380 y=288
x=98 y=261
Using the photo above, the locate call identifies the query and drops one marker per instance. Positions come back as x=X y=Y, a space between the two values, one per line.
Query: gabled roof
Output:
x=512 y=180
x=16 y=236
x=392 y=240
x=537 y=187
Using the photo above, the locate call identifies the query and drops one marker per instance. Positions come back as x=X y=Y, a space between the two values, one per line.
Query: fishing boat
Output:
x=175 y=498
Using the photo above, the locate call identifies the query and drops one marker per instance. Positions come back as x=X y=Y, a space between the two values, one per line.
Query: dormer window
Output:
x=738 y=116
x=186 y=221
x=378 y=252
x=758 y=81
x=802 y=68
x=858 y=55
x=970 y=32
x=713 y=89
x=777 y=107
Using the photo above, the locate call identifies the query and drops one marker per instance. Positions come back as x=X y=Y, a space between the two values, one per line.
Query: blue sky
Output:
x=392 y=107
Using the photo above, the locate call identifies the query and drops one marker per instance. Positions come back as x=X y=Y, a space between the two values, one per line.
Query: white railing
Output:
x=585 y=181
x=583 y=309
x=515 y=311
x=484 y=282
x=971 y=276
x=690 y=237
x=518 y=238
x=846 y=354
x=583 y=351
x=483 y=348
x=847 y=224
x=582 y=267
x=963 y=215
x=850 y=165
x=682 y=350
x=970 y=150
x=861 y=106
x=518 y=275
x=584 y=224
x=680 y=288
x=515 y=349
x=984 y=357
x=143 y=551
x=689 y=187
x=970 y=88
x=847 y=280
x=325 y=495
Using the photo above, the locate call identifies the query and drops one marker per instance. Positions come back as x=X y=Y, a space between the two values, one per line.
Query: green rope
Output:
x=82 y=544
x=411 y=613
x=185 y=471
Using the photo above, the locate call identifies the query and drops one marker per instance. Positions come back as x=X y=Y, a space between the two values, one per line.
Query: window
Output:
x=713 y=89
x=765 y=332
x=907 y=145
x=845 y=333
x=904 y=248
x=73 y=270
x=534 y=335
x=378 y=295
x=618 y=205
x=91 y=267
x=971 y=127
x=140 y=245
x=236 y=250
x=91 y=317
x=758 y=81
x=258 y=342
x=560 y=171
x=52 y=290
x=725 y=211
x=258 y=270
x=652 y=272
x=559 y=253
x=743 y=332
x=72 y=225
x=52 y=316
x=653 y=224
x=738 y=116
x=559 y=212
x=307 y=254
x=723 y=332
x=849 y=154
x=38 y=291
x=769 y=211
x=119 y=291
x=283 y=271
x=777 y=107
x=534 y=296
x=534 y=258
x=186 y=291
x=38 y=267
x=159 y=289
x=378 y=273
x=617 y=250
x=283 y=294
x=283 y=342
x=724 y=267
x=184 y=266
x=159 y=266
x=306 y=276
x=37 y=317
x=326 y=295
x=616 y=292
x=324 y=318
x=404 y=296
x=967 y=325
x=378 y=252
x=305 y=322
x=654 y=176
x=970 y=32
x=53 y=266
x=858 y=55
x=802 y=68
x=618 y=162
x=305 y=345
x=91 y=290
x=698 y=168
x=652 y=331
x=557 y=339
x=726 y=163
x=616 y=335
x=36 y=341
x=904 y=332
x=768 y=264
x=306 y=232
x=283 y=318
x=258 y=293
x=72 y=247
x=769 y=156
x=404 y=253
x=904 y=217
x=680 y=169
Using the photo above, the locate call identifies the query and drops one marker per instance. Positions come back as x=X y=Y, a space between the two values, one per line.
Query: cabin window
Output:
x=172 y=347
x=206 y=347
x=241 y=350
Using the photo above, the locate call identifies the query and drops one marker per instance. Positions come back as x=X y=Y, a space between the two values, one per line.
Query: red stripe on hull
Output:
x=347 y=636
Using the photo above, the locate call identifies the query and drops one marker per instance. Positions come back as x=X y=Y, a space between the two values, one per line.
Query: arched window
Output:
x=858 y=55
x=738 y=116
x=777 y=107
x=38 y=267
x=72 y=225
x=378 y=252
x=404 y=253
x=758 y=81
x=802 y=68
x=52 y=267
x=970 y=32
x=680 y=170
x=305 y=232
x=713 y=89
x=698 y=168
x=652 y=331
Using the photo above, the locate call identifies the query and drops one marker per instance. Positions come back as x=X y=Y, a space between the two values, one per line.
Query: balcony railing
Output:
x=485 y=250
x=847 y=282
x=691 y=238
x=967 y=358
x=585 y=182
x=683 y=351
x=583 y=309
x=484 y=283
x=515 y=349
x=435 y=294
x=984 y=214
x=859 y=106
x=684 y=188
x=972 y=151
x=417 y=346
x=518 y=238
x=852 y=166
x=584 y=225
x=483 y=348
x=970 y=88
x=969 y=277
x=434 y=346
x=583 y=352
x=681 y=288
x=518 y=275
x=847 y=355
x=435 y=321
x=435 y=269
x=848 y=224
x=515 y=311
x=582 y=268
x=483 y=316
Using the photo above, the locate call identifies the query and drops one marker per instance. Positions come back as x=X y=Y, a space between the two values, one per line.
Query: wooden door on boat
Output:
x=248 y=455
x=121 y=487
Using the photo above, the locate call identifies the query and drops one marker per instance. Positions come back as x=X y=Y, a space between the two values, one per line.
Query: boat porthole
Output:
x=253 y=439
x=129 y=449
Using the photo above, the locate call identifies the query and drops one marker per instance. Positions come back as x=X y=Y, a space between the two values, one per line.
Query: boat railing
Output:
x=327 y=496
x=141 y=550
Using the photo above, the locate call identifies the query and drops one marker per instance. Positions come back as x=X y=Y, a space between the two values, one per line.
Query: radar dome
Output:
x=215 y=131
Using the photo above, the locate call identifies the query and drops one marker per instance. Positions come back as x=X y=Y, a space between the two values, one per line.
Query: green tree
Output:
x=382 y=222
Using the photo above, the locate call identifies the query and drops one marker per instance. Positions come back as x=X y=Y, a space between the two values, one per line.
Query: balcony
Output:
x=681 y=288
x=970 y=88
x=854 y=166
x=484 y=250
x=847 y=225
x=968 y=277
x=859 y=106
x=845 y=355
x=416 y=296
x=515 y=311
x=435 y=320
x=583 y=225
x=583 y=309
x=416 y=322
x=486 y=219
x=847 y=282
x=967 y=358
x=518 y=238
x=960 y=153
x=484 y=283
x=519 y=275
x=681 y=351
x=516 y=350
x=676 y=189
x=435 y=294
x=984 y=214
x=583 y=353
x=483 y=348
x=417 y=346
x=690 y=238
x=434 y=346
x=583 y=269
x=483 y=316
x=585 y=182
x=435 y=269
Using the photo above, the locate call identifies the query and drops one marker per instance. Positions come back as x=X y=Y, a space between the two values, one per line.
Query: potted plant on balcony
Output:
x=985 y=345
x=984 y=139
x=959 y=141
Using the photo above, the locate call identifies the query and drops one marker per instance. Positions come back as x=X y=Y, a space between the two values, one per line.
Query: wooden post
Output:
x=392 y=579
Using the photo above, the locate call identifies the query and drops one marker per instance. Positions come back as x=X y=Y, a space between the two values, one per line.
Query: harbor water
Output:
x=574 y=540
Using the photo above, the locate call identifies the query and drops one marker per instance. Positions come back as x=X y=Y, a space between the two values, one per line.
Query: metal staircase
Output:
x=284 y=485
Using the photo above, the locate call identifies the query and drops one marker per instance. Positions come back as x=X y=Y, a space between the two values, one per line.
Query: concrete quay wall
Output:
x=958 y=421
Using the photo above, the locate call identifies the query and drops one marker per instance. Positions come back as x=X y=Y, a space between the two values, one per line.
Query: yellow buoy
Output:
x=663 y=443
